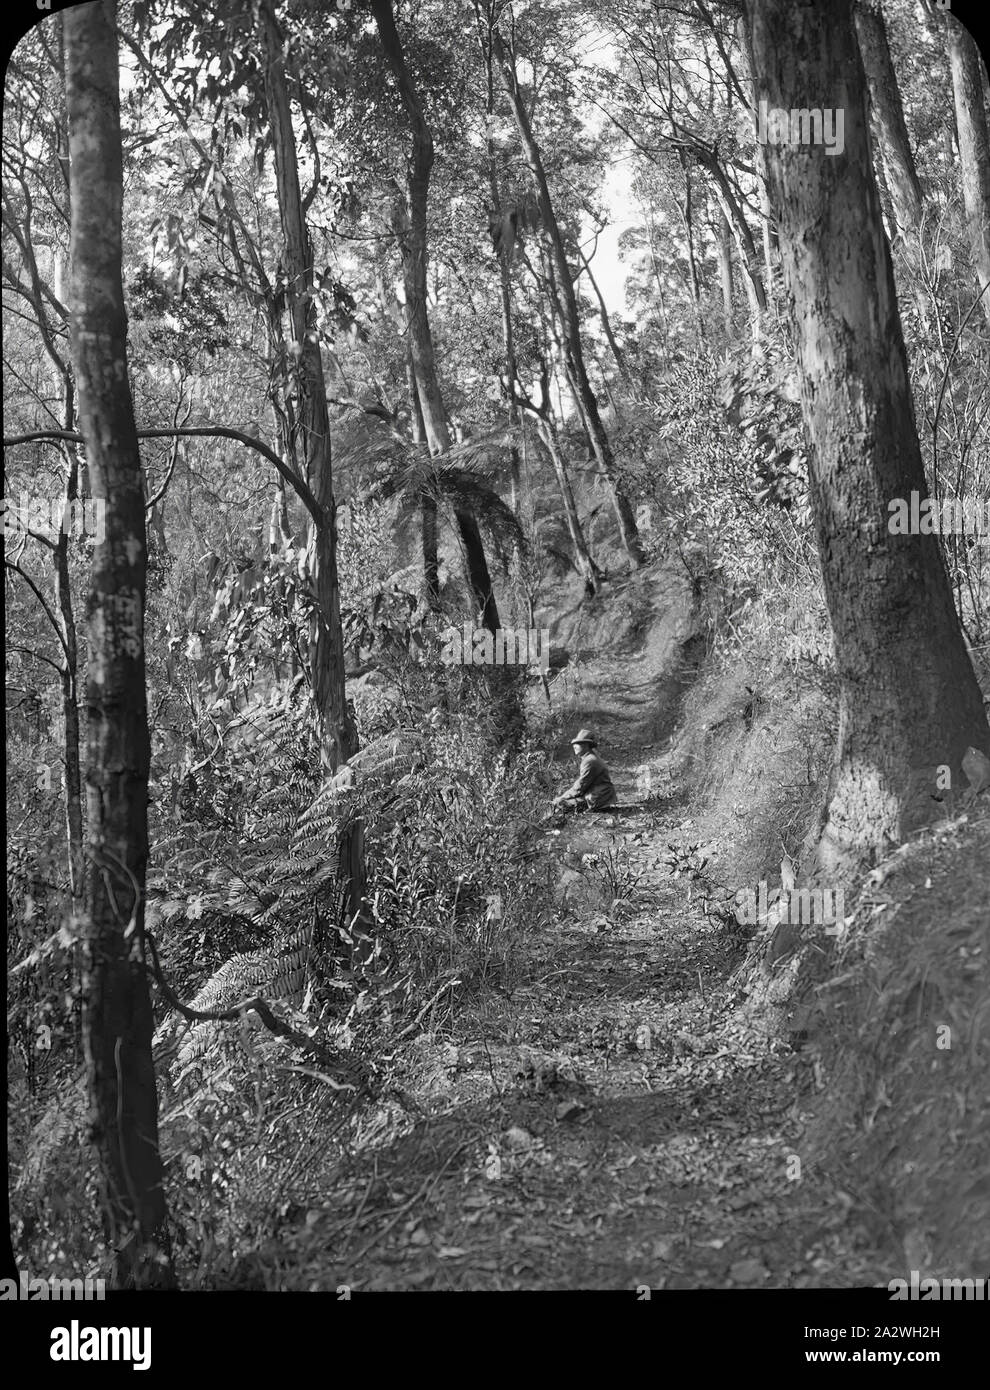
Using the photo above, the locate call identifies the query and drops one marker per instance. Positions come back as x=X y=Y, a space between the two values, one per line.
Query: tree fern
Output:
x=457 y=478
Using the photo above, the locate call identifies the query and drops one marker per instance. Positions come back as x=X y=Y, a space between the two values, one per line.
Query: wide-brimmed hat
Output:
x=584 y=736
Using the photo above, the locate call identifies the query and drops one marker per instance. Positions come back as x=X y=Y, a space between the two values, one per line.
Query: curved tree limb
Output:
x=255 y=1003
x=38 y=656
x=298 y=486
x=13 y=565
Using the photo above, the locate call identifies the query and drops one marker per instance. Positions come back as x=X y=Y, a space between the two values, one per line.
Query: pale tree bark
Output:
x=886 y=198
x=117 y=1017
x=568 y=301
x=974 y=148
x=508 y=341
x=75 y=467
x=47 y=304
x=732 y=211
x=768 y=228
x=69 y=673
x=505 y=295
x=651 y=233
x=279 y=531
x=584 y=563
x=896 y=174
x=409 y=222
x=687 y=218
x=885 y=97
x=509 y=350
x=909 y=702
x=564 y=363
x=510 y=372
x=724 y=239
x=62 y=619
x=339 y=734
x=542 y=413
x=617 y=353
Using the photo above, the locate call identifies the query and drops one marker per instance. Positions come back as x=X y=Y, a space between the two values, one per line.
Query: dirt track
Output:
x=616 y=1122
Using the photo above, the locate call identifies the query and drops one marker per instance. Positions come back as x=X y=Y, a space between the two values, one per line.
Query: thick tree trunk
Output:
x=338 y=731
x=427 y=503
x=357 y=920
x=117 y=1018
x=431 y=561
x=974 y=148
x=409 y=221
x=477 y=568
x=885 y=96
x=568 y=304
x=909 y=700
x=410 y=229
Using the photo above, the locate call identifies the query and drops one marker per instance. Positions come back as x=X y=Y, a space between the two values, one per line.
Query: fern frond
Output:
x=62 y=1126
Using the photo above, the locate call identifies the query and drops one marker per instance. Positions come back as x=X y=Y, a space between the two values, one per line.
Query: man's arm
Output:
x=585 y=778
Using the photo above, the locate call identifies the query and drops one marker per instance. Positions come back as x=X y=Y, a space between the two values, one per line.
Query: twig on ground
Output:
x=421 y=1193
x=411 y=1028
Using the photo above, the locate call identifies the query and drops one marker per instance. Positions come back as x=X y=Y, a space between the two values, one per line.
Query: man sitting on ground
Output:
x=592 y=790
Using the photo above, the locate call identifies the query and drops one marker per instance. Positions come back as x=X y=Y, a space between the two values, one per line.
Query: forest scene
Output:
x=497 y=578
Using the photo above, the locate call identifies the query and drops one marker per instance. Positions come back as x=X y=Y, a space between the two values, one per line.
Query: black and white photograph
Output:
x=497 y=578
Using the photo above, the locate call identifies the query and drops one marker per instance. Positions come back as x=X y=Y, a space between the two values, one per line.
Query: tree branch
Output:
x=38 y=656
x=13 y=565
x=298 y=486
x=256 y=1004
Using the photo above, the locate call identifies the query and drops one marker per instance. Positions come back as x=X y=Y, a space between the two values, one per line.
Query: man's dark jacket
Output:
x=593 y=783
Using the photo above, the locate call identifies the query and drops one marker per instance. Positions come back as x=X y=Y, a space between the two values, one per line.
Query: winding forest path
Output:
x=618 y=1124
x=618 y=1121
